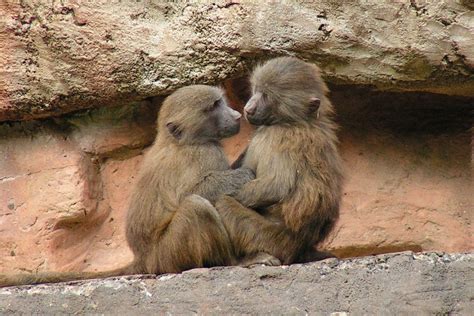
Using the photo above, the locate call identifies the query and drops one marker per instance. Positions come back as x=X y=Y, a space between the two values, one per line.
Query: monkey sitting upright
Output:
x=171 y=225
x=293 y=203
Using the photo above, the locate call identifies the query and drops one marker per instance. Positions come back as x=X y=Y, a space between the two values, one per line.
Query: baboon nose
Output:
x=236 y=115
x=249 y=110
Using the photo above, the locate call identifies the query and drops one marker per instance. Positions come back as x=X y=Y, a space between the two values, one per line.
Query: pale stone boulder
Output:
x=56 y=57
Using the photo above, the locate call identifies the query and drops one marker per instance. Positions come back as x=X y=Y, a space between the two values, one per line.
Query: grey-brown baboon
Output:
x=171 y=223
x=293 y=203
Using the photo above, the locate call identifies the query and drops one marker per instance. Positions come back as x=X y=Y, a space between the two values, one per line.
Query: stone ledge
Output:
x=407 y=283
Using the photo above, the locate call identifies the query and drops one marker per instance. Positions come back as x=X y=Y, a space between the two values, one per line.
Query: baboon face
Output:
x=222 y=120
x=284 y=90
x=199 y=114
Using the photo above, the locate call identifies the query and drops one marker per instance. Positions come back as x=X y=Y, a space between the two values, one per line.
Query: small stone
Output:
x=11 y=205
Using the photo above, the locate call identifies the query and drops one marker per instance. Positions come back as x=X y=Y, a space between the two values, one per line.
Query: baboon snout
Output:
x=251 y=105
x=249 y=110
x=236 y=115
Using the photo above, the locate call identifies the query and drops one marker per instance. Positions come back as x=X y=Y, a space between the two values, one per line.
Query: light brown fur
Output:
x=293 y=203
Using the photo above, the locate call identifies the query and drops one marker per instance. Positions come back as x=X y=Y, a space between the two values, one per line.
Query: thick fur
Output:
x=293 y=203
x=171 y=224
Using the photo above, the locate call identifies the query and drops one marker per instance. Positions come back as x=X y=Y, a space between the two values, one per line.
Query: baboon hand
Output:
x=246 y=174
x=240 y=177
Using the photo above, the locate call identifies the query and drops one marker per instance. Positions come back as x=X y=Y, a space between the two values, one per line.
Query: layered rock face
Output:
x=81 y=83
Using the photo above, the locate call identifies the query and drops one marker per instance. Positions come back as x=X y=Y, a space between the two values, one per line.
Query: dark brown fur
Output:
x=171 y=225
x=293 y=203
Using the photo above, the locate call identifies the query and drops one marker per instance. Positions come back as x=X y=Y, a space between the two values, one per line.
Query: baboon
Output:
x=171 y=224
x=293 y=203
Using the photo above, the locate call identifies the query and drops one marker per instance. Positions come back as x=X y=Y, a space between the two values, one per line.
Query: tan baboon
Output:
x=293 y=203
x=171 y=224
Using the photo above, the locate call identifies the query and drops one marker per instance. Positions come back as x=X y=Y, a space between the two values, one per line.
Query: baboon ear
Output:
x=314 y=104
x=174 y=130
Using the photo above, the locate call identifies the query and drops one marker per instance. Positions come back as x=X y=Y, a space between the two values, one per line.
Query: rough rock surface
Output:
x=408 y=173
x=403 y=283
x=61 y=194
x=61 y=56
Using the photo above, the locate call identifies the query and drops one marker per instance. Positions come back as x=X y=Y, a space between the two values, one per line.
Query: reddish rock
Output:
x=99 y=243
x=62 y=198
x=404 y=194
x=116 y=131
x=43 y=178
x=65 y=185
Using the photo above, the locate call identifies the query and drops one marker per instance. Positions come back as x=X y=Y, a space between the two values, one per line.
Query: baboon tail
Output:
x=55 y=277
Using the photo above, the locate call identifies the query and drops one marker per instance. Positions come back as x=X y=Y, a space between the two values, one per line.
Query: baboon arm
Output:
x=217 y=183
x=252 y=233
x=277 y=183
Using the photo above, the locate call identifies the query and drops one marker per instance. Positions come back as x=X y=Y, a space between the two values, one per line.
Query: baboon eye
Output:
x=214 y=106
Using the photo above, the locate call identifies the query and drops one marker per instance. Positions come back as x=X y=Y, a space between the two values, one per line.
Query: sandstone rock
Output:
x=43 y=178
x=237 y=93
x=64 y=56
x=404 y=283
x=115 y=131
x=408 y=173
x=62 y=200
x=395 y=201
x=99 y=243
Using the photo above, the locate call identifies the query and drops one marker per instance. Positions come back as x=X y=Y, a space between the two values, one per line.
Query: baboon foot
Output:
x=260 y=258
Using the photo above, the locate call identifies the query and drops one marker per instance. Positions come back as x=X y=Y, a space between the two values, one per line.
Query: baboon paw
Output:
x=261 y=258
x=249 y=174
x=271 y=261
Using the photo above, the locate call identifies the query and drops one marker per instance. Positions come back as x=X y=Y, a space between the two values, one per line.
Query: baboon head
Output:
x=198 y=114
x=285 y=90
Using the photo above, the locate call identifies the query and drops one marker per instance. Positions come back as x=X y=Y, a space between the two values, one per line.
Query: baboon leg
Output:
x=195 y=238
x=251 y=233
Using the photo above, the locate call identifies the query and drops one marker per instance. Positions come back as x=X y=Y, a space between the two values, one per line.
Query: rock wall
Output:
x=81 y=83
x=408 y=173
